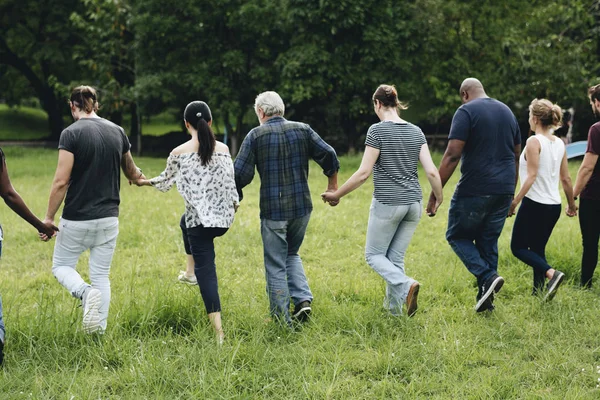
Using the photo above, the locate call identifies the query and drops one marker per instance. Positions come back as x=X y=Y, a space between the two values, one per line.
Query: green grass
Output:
x=22 y=123
x=159 y=343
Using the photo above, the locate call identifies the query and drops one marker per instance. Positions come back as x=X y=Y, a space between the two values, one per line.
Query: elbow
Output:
x=566 y=181
x=363 y=175
x=60 y=184
x=433 y=174
x=9 y=197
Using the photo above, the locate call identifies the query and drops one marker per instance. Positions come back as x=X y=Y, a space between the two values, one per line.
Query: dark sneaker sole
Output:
x=1 y=353
x=552 y=289
x=302 y=314
x=494 y=288
x=411 y=300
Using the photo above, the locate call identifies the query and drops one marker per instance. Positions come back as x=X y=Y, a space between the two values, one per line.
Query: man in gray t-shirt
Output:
x=91 y=152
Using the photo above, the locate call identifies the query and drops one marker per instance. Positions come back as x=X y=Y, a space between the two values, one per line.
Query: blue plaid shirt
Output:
x=280 y=150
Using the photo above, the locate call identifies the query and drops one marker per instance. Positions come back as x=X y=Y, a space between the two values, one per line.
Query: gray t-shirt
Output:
x=98 y=146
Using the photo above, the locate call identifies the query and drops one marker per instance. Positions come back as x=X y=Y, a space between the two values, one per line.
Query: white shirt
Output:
x=545 y=187
x=208 y=190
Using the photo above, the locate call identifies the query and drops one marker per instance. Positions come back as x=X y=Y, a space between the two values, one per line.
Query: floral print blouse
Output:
x=208 y=190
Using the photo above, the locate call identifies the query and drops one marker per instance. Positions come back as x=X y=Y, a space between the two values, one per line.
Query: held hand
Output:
x=142 y=182
x=571 y=211
x=137 y=181
x=432 y=205
x=331 y=198
x=49 y=230
x=513 y=207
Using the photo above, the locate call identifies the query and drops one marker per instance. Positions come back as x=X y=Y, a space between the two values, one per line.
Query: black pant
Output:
x=531 y=232
x=199 y=242
x=589 y=221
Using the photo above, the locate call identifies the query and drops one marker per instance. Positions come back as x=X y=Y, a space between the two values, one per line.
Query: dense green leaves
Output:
x=325 y=57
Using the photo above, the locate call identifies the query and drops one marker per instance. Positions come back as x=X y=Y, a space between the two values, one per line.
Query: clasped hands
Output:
x=330 y=197
x=140 y=181
x=48 y=231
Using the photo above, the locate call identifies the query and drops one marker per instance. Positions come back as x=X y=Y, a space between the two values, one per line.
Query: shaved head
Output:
x=470 y=89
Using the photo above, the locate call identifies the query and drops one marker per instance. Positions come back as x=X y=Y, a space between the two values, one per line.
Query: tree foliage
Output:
x=324 y=57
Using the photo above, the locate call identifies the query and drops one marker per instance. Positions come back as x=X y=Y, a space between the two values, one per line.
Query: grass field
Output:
x=159 y=343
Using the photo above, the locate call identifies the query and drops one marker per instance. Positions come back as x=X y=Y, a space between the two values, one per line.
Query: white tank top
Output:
x=545 y=187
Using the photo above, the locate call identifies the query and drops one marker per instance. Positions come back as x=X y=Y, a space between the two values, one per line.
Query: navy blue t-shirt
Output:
x=490 y=132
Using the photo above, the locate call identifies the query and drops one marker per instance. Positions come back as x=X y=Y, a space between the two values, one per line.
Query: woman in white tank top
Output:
x=543 y=163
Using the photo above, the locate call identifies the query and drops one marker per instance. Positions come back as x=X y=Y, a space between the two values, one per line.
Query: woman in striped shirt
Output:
x=393 y=149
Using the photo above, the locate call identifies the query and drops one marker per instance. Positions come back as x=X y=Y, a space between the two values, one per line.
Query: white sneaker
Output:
x=91 y=311
x=190 y=280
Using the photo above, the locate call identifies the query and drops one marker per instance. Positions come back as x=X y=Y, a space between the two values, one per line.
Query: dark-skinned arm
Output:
x=447 y=166
x=16 y=203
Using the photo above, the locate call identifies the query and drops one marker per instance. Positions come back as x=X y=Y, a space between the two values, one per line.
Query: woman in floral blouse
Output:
x=203 y=171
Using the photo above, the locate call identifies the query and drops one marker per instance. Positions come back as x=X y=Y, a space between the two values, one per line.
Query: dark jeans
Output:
x=474 y=226
x=589 y=221
x=199 y=242
x=531 y=232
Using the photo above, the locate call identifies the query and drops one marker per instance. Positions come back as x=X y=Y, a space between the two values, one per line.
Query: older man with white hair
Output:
x=280 y=150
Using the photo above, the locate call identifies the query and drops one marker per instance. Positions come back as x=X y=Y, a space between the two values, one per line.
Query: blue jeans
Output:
x=283 y=267
x=389 y=233
x=474 y=226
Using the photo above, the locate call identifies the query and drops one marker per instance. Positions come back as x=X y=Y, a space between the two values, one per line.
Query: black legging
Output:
x=199 y=242
x=589 y=222
x=531 y=232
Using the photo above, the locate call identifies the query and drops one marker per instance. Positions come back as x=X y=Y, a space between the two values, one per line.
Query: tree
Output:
x=108 y=49
x=35 y=40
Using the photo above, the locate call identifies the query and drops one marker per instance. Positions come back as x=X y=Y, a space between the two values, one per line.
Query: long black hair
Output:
x=198 y=114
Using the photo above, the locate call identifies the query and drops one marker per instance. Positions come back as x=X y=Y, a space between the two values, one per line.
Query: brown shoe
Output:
x=411 y=299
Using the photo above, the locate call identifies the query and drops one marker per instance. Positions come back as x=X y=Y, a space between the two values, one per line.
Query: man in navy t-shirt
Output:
x=587 y=186
x=485 y=137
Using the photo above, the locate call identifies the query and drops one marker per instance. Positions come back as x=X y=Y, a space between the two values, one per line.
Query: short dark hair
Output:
x=594 y=92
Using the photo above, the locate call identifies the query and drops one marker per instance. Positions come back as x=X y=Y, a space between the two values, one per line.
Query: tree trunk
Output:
x=135 y=132
x=50 y=104
x=44 y=92
x=237 y=135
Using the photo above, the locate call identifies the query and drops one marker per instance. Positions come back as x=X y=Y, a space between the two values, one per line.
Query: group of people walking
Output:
x=484 y=136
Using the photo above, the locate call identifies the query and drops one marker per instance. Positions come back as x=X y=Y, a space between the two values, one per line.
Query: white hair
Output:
x=270 y=103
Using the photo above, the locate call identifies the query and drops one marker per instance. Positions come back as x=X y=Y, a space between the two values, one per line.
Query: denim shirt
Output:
x=280 y=150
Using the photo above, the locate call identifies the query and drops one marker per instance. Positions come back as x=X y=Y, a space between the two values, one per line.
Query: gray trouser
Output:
x=388 y=235
x=75 y=237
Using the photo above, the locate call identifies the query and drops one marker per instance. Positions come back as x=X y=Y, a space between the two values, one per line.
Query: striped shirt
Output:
x=395 y=173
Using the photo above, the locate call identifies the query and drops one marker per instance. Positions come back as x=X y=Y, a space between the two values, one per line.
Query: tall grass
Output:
x=159 y=343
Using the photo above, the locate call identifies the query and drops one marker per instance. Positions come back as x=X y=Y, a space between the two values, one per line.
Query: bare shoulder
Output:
x=221 y=147
x=533 y=141
x=187 y=147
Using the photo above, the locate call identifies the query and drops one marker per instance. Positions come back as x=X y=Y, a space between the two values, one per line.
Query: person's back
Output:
x=98 y=146
x=90 y=152
x=490 y=131
x=395 y=177
x=486 y=138
x=281 y=151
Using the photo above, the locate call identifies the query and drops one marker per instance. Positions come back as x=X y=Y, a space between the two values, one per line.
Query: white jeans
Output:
x=75 y=237
x=388 y=236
